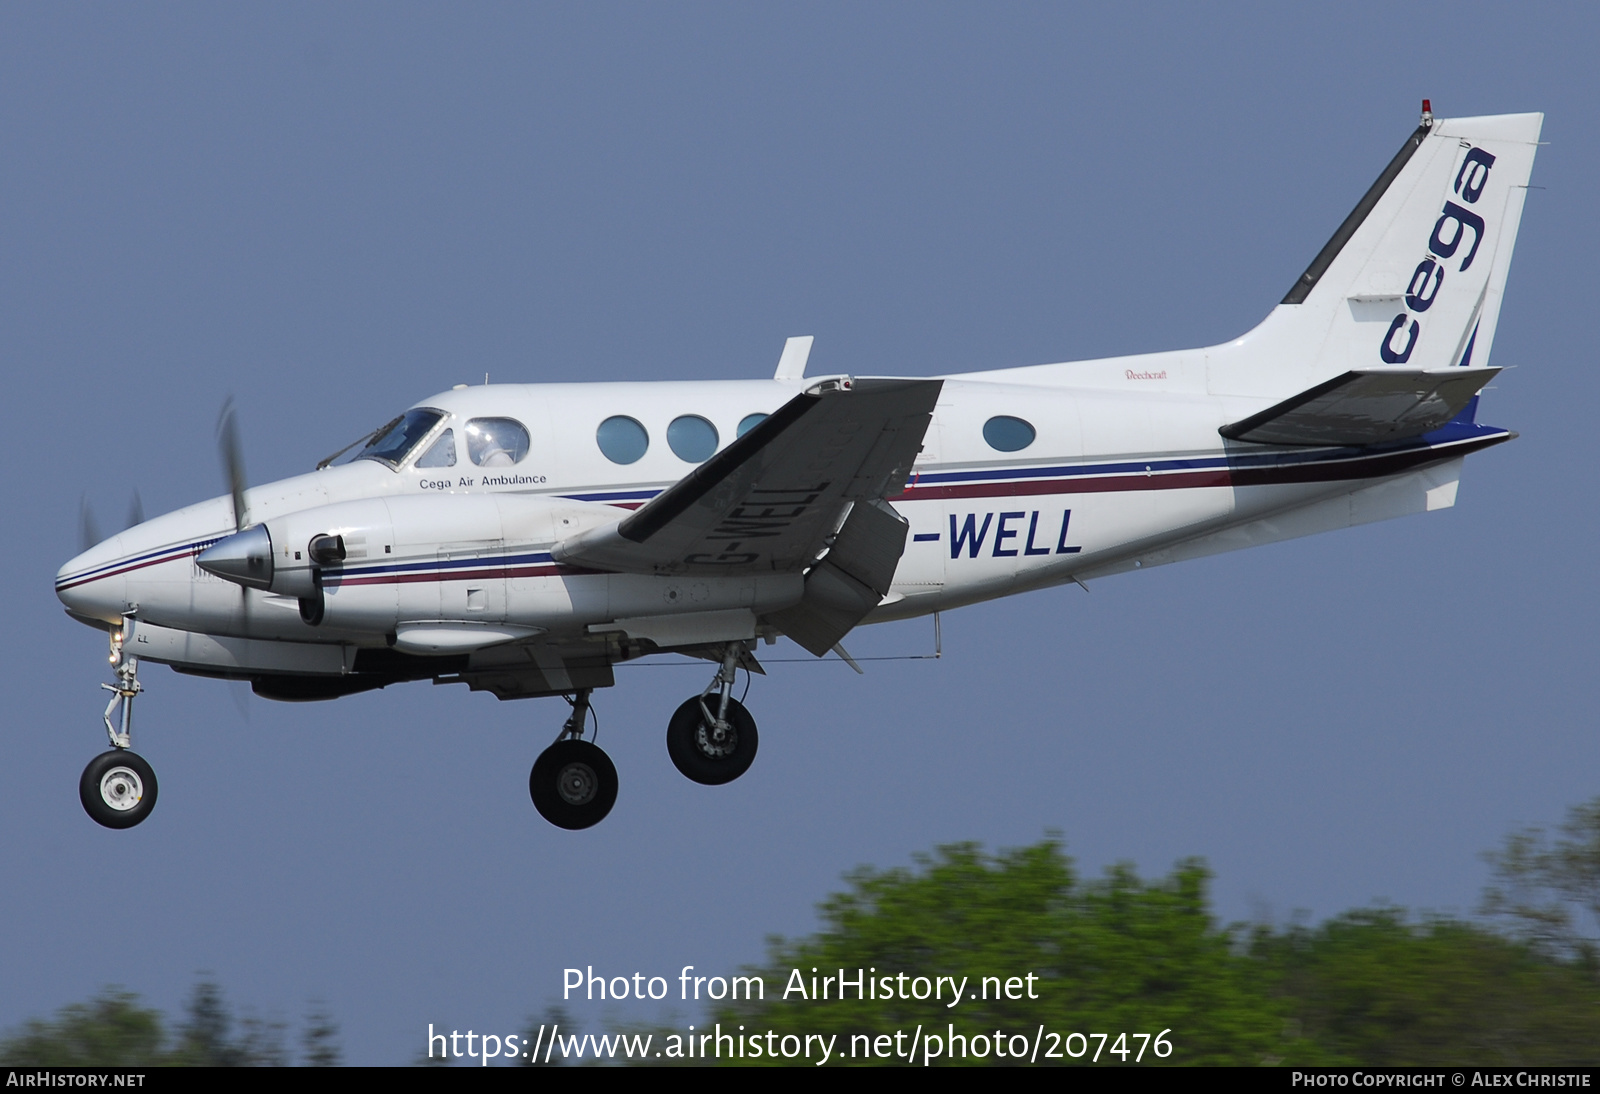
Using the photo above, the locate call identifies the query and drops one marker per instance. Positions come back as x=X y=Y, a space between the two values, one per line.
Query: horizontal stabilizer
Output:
x=1365 y=407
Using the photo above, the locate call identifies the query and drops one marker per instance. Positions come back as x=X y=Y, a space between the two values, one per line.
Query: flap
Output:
x=1365 y=407
x=767 y=502
x=851 y=579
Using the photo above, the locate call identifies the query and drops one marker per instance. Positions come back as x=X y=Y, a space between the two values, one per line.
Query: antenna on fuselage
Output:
x=796 y=352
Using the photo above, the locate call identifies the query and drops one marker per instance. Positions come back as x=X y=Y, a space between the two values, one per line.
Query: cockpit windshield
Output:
x=395 y=443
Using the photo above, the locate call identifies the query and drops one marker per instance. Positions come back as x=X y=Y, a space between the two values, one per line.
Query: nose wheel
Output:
x=118 y=788
x=574 y=783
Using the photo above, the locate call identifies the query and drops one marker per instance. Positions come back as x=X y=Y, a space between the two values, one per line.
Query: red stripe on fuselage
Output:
x=190 y=553
x=1171 y=480
x=1365 y=466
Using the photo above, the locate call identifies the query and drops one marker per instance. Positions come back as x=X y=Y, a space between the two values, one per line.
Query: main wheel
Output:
x=118 y=789
x=701 y=753
x=573 y=784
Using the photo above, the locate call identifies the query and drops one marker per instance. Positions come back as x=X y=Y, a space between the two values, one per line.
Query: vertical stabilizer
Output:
x=1413 y=278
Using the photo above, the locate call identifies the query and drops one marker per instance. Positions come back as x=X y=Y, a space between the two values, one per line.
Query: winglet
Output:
x=792 y=365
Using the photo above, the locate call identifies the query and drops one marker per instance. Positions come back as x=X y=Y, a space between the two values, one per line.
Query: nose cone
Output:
x=244 y=558
x=92 y=585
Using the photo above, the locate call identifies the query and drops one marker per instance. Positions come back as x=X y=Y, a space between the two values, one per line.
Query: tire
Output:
x=118 y=789
x=573 y=784
x=698 y=755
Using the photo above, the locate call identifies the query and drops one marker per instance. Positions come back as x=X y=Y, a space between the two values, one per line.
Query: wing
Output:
x=769 y=501
x=1365 y=407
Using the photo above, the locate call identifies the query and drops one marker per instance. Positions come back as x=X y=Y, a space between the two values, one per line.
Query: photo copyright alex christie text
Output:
x=1333 y=1078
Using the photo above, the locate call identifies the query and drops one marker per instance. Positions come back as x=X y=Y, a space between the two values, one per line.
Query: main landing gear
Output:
x=118 y=788
x=574 y=783
x=712 y=738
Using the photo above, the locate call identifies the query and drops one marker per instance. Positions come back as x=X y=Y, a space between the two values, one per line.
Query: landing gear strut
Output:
x=574 y=783
x=118 y=788
x=711 y=737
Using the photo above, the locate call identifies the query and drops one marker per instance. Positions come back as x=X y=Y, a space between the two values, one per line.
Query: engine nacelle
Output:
x=301 y=553
x=316 y=549
x=449 y=572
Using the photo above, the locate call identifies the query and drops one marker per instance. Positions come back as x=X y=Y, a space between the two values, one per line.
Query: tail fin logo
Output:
x=1449 y=233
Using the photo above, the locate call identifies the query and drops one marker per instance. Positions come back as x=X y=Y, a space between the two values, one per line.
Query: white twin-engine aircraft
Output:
x=524 y=538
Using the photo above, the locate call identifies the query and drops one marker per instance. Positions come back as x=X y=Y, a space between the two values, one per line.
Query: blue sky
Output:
x=331 y=212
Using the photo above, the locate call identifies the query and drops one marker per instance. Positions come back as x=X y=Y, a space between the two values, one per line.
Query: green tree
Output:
x=262 y=1043
x=1114 y=955
x=320 y=1038
x=555 y=1020
x=1370 y=987
x=205 y=1039
x=111 y=1030
x=1548 y=892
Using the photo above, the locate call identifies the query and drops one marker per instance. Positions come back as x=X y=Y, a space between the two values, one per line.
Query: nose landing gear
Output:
x=573 y=783
x=118 y=788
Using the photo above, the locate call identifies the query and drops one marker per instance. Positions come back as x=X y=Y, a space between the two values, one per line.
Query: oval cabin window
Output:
x=1007 y=434
x=495 y=442
x=622 y=439
x=692 y=438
